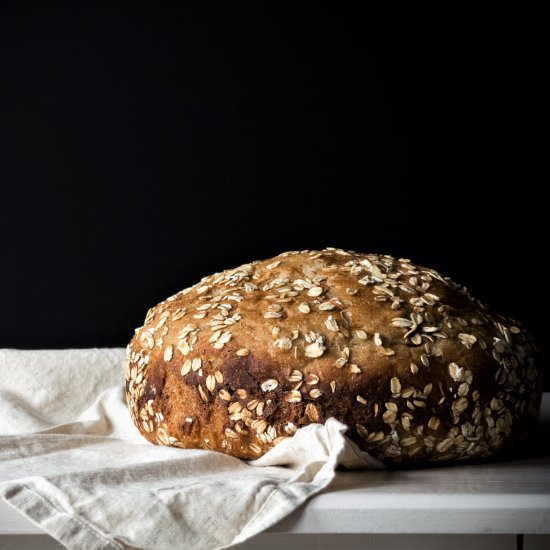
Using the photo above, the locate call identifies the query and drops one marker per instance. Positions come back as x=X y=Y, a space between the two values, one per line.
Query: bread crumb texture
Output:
x=406 y=358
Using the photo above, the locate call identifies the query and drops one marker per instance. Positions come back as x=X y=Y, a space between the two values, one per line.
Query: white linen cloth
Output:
x=72 y=461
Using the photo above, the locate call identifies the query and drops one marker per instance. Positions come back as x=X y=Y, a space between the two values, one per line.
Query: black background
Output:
x=146 y=144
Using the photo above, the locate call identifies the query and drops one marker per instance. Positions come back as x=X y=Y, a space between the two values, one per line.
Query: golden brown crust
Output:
x=414 y=366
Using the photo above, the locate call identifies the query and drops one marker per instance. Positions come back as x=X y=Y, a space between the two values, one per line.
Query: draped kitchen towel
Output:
x=72 y=462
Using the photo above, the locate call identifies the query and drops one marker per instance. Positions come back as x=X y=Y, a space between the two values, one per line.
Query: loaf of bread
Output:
x=406 y=358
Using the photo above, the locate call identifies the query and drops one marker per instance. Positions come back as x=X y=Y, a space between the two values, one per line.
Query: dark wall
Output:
x=147 y=144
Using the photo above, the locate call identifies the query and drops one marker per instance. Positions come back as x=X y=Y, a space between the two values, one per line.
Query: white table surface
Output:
x=510 y=496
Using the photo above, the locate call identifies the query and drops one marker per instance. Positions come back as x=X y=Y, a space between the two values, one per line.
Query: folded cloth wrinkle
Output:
x=24 y=416
x=72 y=461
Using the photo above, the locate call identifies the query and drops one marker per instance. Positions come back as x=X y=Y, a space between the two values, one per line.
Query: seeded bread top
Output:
x=339 y=333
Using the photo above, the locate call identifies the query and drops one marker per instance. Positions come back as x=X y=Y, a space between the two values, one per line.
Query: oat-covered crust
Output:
x=414 y=366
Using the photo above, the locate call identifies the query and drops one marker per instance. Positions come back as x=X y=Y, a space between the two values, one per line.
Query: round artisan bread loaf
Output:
x=417 y=368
